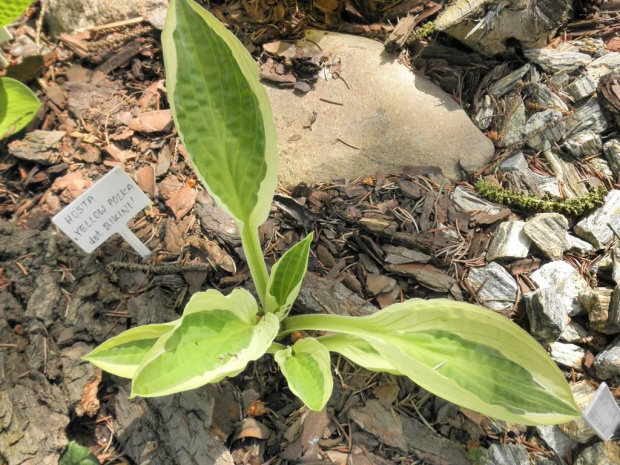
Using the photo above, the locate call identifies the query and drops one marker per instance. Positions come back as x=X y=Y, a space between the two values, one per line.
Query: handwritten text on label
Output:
x=102 y=210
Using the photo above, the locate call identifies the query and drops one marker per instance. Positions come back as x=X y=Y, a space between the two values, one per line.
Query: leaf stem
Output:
x=274 y=347
x=321 y=322
x=256 y=262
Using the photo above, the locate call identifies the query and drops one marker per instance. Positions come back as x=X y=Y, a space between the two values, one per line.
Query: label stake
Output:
x=104 y=210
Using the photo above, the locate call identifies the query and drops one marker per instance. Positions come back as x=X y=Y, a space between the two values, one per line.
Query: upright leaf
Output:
x=465 y=354
x=221 y=111
x=18 y=105
x=306 y=367
x=10 y=10
x=287 y=275
x=216 y=337
x=122 y=354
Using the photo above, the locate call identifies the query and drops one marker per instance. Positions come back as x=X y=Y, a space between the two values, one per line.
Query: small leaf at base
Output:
x=306 y=366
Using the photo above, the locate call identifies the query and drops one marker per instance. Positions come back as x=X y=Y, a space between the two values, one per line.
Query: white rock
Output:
x=509 y=241
x=577 y=429
x=584 y=144
x=494 y=286
x=553 y=60
x=611 y=149
x=601 y=453
x=70 y=15
x=567 y=282
x=548 y=232
x=568 y=355
x=598 y=227
x=574 y=332
x=492 y=27
x=607 y=362
x=515 y=162
x=548 y=318
x=589 y=115
x=391 y=116
x=577 y=246
x=543 y=128
x=556 y=439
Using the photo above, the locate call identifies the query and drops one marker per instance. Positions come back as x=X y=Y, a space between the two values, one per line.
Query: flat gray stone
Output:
x=577 y=246
x=543 y=128
x=494 y=286
x=574 y=332
x=386 y=118
x=565 y=280
x=515 y=162
x=470 y=202
x=607 y=362
x=491 y=27
x=601 y=453
x=556 y=439
x=512 y=454
x=548 y=317
x=611 y=149
x=598 y=227
x=597 y=303
x=578 y=430
x=567 y=355
x=509 y=241
x=548 y=232
x=584 y=144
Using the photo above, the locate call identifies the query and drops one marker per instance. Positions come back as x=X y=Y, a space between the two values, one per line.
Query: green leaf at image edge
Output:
x=216 y=337
x=78 y=455
x=287 y=275
x=123 y=354
x=18 y=106
x=221 y=111
x=306 y=367
x=10 y=10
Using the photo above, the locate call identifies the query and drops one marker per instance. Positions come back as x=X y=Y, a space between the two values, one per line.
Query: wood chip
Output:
x=152 y=121
x=182 y=202
x=145 y=177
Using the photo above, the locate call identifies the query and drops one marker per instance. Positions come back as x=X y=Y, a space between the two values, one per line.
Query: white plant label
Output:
x=602 y=413
x=104 y=210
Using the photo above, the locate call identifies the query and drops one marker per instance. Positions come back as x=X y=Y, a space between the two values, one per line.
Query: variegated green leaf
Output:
x=18 y=105
x=306 y=367
x=287 y=275
x=221 y=111
x=10 y=10
x=216 y=337
x=359 y=351
x=466 y=354
x=122 y=354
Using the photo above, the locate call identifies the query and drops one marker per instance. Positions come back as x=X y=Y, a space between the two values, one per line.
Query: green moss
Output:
x=576 y=206
x=425 y=30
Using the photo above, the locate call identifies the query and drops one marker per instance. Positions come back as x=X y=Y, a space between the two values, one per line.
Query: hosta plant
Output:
x=461 y=352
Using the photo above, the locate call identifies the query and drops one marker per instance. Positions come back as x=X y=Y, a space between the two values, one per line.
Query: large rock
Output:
x=70 y=15
x=388 y=118
x=503 y=27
